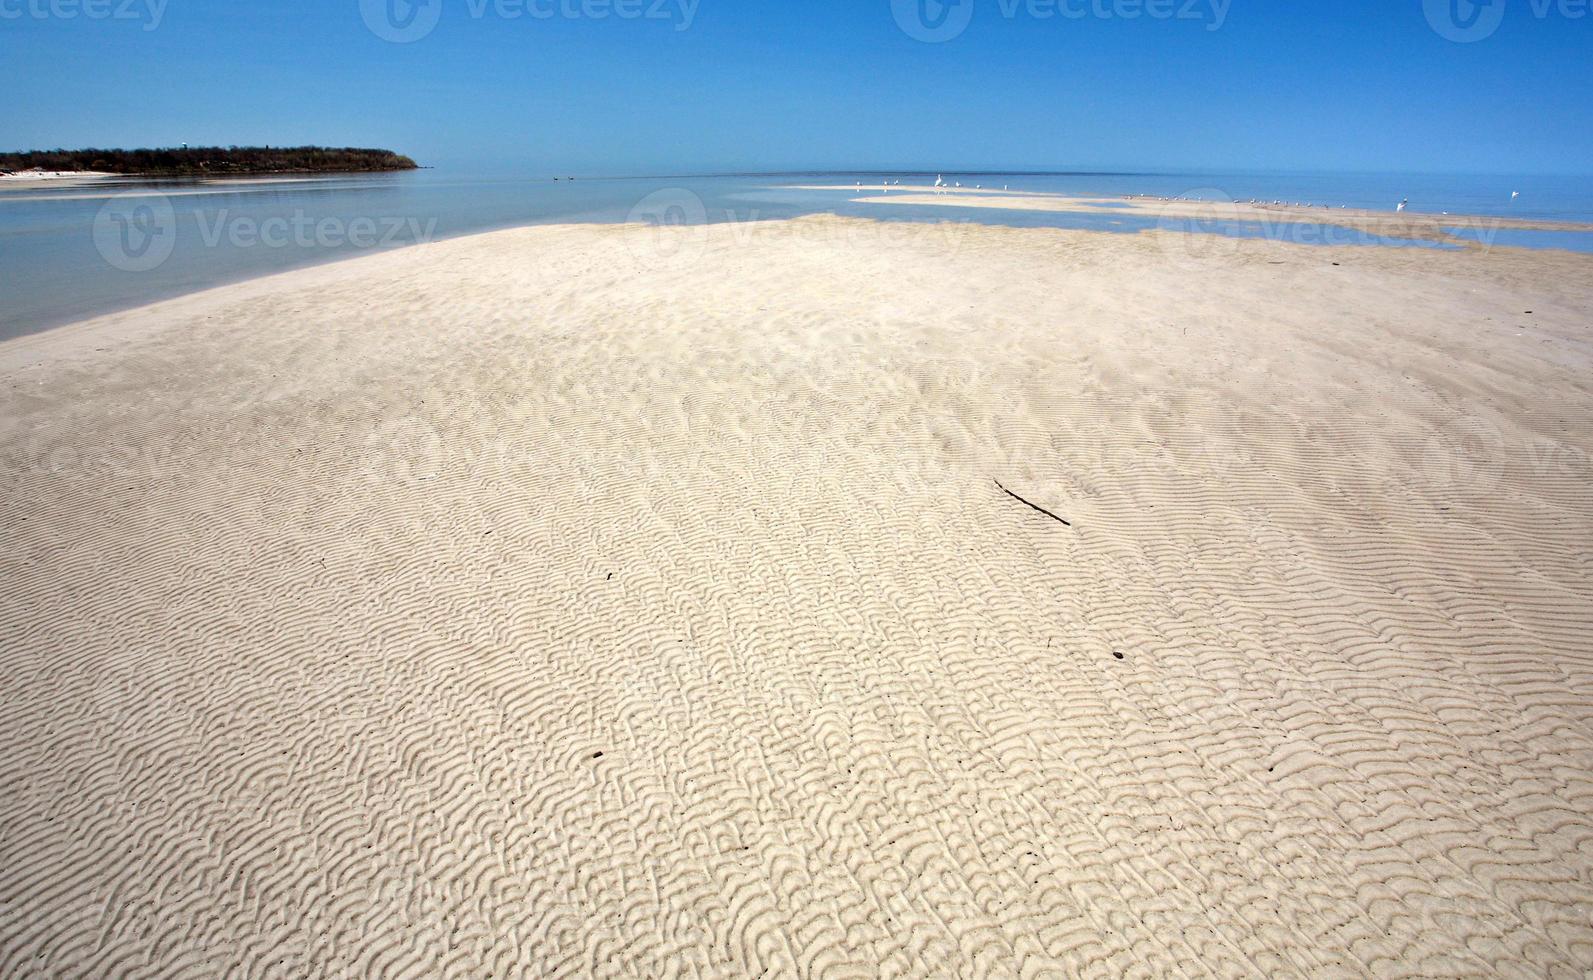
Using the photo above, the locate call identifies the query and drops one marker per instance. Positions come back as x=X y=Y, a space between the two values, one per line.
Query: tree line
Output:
x=211 y=160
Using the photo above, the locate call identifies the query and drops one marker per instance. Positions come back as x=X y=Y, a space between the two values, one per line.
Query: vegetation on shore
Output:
x=211 y=161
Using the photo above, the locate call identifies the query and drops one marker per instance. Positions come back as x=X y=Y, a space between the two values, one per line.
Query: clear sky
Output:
x=668 y=86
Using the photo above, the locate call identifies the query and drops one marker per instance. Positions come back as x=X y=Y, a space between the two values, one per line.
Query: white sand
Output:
x=28 y=179
x=604 y=601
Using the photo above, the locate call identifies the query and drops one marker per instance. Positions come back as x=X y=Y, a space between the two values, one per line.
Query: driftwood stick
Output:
x=1032 y=506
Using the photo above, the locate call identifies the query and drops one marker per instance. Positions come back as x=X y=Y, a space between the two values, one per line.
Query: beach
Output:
x=822 y=597
x=36 y=179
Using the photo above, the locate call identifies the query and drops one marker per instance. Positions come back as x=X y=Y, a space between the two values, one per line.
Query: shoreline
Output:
x=1174 y=208
x=29 y=179
x=1176 y=216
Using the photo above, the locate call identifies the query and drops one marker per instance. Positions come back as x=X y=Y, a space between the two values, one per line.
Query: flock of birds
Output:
x=941 y=186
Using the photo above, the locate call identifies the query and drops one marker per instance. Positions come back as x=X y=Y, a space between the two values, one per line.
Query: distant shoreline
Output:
x=233 y=161
x=38 y=179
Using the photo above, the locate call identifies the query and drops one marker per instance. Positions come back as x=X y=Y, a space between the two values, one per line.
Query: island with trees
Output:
x=211 y=161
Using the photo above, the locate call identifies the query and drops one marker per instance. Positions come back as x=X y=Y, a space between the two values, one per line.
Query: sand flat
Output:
x=1183 y=214
x=32 y=179
x=629 y=602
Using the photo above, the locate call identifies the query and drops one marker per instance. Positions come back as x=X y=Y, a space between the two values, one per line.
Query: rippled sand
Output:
x=611 y=601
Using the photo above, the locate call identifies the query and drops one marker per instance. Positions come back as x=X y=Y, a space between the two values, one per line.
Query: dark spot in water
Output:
x=1117 y=655
x=597 y=755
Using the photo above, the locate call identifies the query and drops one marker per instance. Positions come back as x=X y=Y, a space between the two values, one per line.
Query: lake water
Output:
x=71 y=252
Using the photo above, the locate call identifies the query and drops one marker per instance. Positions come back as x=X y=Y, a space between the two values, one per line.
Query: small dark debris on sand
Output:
x=1032 y=506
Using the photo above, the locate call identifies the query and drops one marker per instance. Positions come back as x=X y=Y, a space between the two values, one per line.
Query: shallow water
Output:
x=71 y=252
x=1570 y=241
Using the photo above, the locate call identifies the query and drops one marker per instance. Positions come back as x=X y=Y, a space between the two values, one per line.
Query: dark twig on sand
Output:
x=1032 y=506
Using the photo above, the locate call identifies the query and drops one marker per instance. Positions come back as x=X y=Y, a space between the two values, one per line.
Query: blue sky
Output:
x=668 y=86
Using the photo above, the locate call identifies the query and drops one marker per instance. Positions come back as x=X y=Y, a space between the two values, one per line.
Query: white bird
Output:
x=940 y=181
x=1514 y=195
x=1402 y=205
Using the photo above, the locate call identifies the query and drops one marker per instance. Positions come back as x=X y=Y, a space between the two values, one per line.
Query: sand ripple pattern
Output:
x=513 y=606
